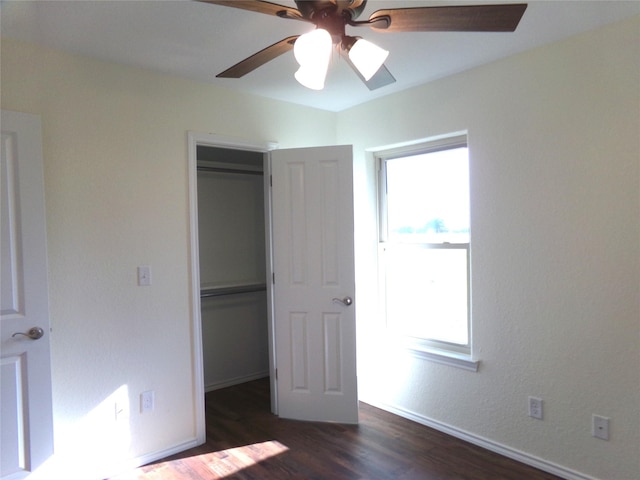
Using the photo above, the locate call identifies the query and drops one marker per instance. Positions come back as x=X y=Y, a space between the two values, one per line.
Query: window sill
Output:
x=452 y=359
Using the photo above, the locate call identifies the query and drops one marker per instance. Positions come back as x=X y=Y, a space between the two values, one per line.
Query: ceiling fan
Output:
x=313 y=50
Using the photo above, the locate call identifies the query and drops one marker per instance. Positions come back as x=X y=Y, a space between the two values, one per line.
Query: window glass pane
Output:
x=426 y=292
x=428 y=197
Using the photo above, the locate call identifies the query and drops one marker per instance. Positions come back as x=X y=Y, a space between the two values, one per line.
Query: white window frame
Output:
x=429 y=349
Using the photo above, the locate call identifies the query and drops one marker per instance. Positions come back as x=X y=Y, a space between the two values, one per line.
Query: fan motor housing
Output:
x=351 y=9
x=334 y=24
x=310 y=8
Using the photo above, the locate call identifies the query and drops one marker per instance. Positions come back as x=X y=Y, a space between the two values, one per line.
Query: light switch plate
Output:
x=144 y=275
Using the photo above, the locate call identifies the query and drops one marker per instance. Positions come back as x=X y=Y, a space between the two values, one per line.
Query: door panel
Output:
x=313 y=258
x=25 y=406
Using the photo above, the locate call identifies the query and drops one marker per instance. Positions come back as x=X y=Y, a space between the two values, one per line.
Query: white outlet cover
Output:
x=600 y=427
x=535 y=408
x=147 y=401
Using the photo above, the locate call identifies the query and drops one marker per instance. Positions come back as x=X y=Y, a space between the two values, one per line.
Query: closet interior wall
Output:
x=231 y=235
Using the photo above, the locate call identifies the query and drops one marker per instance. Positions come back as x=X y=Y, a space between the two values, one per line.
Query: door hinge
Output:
x=273 y=278
x=276 y=374
x=271 y=180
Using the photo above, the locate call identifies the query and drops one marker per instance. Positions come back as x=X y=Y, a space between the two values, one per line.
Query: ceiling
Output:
x=197 y=40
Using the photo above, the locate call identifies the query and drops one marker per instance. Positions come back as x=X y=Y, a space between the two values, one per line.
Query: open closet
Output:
x=231 y=236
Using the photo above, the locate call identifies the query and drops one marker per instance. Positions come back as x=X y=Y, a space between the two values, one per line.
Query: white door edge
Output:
x=313 y=259
x=32 y=361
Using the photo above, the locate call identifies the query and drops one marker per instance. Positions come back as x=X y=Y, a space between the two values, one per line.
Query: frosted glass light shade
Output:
x=313 y=52
x=367 y=57
x=311 y=77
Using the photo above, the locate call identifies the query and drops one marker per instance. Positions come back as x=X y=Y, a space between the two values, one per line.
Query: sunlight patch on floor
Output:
x=227 y=462
x=221 y=464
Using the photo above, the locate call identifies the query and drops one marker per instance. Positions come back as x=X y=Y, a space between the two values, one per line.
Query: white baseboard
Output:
x=503 y=450
x=235 y=381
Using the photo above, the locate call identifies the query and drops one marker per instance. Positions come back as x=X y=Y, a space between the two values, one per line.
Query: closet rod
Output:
x=229 y=170
x=219 y=291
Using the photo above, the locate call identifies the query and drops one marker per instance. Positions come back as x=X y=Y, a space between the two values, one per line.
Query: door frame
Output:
x=195 y=139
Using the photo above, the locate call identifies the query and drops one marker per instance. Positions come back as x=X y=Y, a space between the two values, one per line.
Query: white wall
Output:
x=116 y=191
x=554 y=137
x=556 y=244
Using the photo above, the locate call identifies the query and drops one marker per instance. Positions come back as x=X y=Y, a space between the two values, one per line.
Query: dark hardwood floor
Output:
x=245 y=441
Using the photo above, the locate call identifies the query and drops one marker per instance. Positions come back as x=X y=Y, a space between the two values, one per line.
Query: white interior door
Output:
x=26 y=415
x=313 y=263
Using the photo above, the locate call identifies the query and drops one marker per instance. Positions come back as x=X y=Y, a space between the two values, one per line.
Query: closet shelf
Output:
x=218 y=291
x=226 y=168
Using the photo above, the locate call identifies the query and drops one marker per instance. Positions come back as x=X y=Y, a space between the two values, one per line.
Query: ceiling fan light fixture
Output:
x=313 y=52
x=331 y=18
x=311 y=77
x=367 y=57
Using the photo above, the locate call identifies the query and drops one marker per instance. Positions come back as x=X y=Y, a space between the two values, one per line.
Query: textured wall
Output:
x=556 y=238
x=555 y=199
x=116 y=188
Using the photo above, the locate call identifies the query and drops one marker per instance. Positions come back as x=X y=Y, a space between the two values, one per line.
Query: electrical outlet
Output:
x=147 y=401
x=600 y=427
x=535 y=407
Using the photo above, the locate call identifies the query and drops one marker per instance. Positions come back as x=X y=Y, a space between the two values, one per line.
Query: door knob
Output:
x=346 y=301
x=34 y=333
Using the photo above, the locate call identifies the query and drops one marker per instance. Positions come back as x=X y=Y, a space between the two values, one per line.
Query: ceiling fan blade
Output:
x=260 y=7
x=461 y=18
x=381 y=78
x=258 y=59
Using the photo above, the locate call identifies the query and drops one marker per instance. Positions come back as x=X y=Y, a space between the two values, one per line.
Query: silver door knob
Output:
x=346 y=301
x=34 y=333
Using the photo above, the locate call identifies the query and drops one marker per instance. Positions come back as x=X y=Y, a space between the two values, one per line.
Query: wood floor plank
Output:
x=245 y=441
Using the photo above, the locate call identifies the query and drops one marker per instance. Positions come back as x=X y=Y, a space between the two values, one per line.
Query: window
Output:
x=424 y=244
